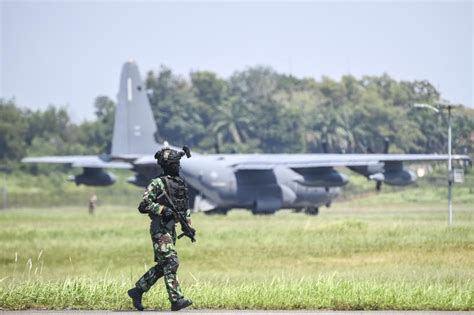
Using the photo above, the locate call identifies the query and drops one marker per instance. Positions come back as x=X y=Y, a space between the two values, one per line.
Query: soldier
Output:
x=92 y=203
x=166 y=202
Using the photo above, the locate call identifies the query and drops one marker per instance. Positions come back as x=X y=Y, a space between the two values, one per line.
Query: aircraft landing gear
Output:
x=217 y=211
x=254 y=212
x=311 y=211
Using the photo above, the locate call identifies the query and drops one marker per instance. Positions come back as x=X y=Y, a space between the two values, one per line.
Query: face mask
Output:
x=171 y=169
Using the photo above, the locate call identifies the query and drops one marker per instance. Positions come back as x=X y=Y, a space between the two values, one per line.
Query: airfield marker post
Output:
x=5 y=191
x=449 y=106
x=450 y=171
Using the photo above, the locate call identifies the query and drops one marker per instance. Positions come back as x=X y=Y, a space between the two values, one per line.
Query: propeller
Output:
x=378 y=186
x=386 y=146
x=325 y=146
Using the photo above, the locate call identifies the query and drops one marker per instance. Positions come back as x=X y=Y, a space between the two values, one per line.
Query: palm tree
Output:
x=333 y=129
x=230 y=121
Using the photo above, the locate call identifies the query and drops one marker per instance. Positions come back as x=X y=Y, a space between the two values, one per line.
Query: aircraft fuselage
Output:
x=264 y=191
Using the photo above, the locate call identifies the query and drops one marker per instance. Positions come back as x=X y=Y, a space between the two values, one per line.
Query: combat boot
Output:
x=136 y=295
x=180 y=304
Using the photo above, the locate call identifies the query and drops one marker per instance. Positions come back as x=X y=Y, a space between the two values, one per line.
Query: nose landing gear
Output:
x=311 y=210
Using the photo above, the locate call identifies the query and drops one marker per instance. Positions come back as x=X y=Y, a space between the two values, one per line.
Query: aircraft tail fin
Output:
x=134 y=126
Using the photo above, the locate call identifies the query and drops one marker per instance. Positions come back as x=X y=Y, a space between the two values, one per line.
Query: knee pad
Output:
x=171 y=265
x=158 y=269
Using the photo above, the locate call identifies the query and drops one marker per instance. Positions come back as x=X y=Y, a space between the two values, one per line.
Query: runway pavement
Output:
x=228 y=312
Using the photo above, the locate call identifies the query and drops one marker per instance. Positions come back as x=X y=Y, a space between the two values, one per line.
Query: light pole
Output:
x=5 y=170
x=5 y=192
x=448 y=106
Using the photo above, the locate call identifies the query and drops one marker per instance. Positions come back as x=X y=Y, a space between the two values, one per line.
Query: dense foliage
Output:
x=255 y=110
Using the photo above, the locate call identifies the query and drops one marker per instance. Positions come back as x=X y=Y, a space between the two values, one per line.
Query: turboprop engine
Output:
x=321 y=177
x=401 y=177
x=93 y=177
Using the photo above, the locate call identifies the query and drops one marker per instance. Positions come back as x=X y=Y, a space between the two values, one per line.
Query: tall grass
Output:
x=329 y=292
x=352 y=256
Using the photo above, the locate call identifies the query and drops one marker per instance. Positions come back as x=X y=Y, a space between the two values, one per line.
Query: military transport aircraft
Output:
x=262 y=183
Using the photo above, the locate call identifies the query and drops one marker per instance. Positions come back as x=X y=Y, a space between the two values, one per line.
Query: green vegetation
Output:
x=352 y=256
x=26 y=190
x=255 y=110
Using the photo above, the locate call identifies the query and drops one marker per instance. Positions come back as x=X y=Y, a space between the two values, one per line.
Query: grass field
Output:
x=355 y=255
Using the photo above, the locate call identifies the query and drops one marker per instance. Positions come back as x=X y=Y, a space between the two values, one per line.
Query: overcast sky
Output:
x=67 y=53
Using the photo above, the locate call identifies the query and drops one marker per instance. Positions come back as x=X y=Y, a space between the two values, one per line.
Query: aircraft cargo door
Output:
x=269 y=199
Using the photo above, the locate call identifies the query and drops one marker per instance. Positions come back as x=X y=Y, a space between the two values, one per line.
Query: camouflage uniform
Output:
x=163 y=235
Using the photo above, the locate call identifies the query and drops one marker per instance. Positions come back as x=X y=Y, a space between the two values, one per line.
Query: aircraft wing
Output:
x=266 y=162
x=86 y=161
x=270 y=161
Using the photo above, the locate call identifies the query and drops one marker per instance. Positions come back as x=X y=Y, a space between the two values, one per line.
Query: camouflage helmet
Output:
x=167 y=156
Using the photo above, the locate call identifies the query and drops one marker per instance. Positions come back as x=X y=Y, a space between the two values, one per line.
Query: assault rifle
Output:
x=188 y=231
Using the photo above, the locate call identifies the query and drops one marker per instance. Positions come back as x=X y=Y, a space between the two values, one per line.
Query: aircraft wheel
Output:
x=311 y=211
x=255 y=212
x=217 y=211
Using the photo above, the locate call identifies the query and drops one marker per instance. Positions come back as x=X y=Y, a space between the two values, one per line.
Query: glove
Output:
x=142 y=207
x=191 y=231
x=167 y=215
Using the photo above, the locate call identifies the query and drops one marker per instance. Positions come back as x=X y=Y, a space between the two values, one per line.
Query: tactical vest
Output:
x=177 y=191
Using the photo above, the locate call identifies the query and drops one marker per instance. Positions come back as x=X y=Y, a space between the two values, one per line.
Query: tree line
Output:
x=254 y=110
